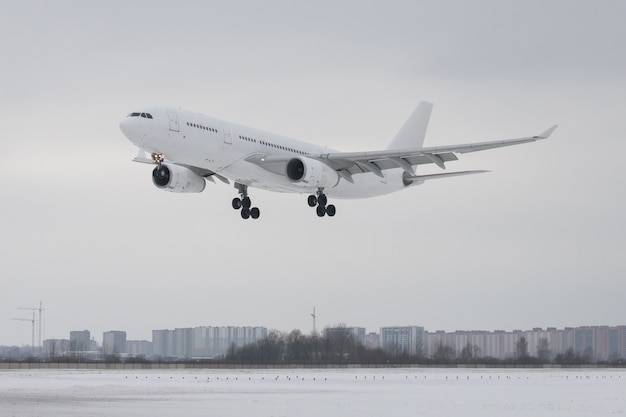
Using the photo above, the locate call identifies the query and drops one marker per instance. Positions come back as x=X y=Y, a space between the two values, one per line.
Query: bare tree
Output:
x=443 y=353
x=470 y=353
x=420 y=352
x=543 y=350
x=340 y=343
x=297 y=347
x=521 y=348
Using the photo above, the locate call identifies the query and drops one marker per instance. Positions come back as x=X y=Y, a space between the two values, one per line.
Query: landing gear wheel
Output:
x=330 y=210
x=312 y=201
x=244 y=203
x=322 y=200
x=321 y=211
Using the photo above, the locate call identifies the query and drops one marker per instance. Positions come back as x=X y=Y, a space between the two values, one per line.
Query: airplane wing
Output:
x=349 y=163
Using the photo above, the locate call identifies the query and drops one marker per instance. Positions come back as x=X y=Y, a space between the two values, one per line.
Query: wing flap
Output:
x=418 y=178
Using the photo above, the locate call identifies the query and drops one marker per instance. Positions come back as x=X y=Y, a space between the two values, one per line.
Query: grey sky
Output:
x=537 y=242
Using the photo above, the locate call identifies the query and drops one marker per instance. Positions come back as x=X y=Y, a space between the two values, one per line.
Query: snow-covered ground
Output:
x=313 y=392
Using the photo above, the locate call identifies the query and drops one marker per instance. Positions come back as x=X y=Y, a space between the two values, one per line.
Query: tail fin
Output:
x=414 y=130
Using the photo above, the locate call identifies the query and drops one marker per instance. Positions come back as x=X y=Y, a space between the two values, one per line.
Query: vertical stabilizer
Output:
x=414 y=130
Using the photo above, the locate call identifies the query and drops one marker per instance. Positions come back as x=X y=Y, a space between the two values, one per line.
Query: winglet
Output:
x=547 y=133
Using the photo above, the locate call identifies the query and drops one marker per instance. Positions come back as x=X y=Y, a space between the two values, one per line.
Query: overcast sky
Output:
x=540 y=241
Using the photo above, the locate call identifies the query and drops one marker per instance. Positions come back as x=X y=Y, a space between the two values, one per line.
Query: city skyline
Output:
x=319 y=328
x=597 y=343
x=146 y=334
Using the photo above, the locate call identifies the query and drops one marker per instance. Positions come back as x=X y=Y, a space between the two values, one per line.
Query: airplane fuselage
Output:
x=197 y=140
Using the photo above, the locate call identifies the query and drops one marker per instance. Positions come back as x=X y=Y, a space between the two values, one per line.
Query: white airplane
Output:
x=190 y=148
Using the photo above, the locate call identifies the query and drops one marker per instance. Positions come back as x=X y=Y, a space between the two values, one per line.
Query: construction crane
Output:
x=33 y=309
x=33 y=322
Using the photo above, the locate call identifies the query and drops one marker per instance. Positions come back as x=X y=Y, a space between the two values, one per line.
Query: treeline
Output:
x=336 y=346
x=339 y=346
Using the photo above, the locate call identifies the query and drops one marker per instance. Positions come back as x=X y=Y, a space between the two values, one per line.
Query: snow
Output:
x=313 y=392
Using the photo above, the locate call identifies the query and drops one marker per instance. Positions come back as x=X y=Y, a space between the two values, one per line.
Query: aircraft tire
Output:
x=255 y=212
x=236 y=203
x=246 y=203
x=322 y=200
x=245 y=213
x=331 y=210
x=312 y=201
x=321 y=211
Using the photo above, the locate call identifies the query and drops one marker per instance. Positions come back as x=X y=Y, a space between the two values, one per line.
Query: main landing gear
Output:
x=320 y=201
x=244 y=203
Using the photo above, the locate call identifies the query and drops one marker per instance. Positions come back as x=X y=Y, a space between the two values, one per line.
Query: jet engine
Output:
x=177 y=179
x=311 y=173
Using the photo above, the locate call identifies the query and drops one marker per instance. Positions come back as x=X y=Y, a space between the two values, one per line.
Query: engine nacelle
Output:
x=177 y=179
x=311 y=173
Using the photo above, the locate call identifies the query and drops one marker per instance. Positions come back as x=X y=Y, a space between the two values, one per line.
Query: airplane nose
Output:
x=132 y=131
x=124 y=127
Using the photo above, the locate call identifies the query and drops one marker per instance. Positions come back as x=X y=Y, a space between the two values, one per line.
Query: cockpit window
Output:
x=137 y=114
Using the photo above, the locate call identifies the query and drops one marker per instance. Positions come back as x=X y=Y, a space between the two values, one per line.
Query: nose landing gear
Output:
x=320 y=201
x=244 y=203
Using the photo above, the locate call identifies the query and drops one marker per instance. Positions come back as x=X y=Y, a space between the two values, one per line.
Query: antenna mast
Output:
x=313 y=315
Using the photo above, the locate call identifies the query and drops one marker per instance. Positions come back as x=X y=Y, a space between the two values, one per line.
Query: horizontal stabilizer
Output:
x=412 y=178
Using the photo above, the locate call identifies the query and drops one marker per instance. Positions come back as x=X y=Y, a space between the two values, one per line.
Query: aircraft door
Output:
x=173 y=121
x=227 y=138
x=174 y=126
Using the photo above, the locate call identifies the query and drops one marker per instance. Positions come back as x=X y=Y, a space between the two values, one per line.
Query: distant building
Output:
x=358 y=333
x=402 y=340
x=204 y=341
x=372 y=340
x=163 y=343
x=80 y=341
x=53 y=348
x=139 y=348
x=594 y=343
x=113 y=342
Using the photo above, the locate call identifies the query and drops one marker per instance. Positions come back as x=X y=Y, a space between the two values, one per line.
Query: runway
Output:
x=313 y=392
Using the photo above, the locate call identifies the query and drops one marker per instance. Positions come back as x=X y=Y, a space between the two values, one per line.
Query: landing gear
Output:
x=320 y=201
x=244 y=203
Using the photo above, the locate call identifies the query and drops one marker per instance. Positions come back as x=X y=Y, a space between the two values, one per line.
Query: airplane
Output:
x=190 y=149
